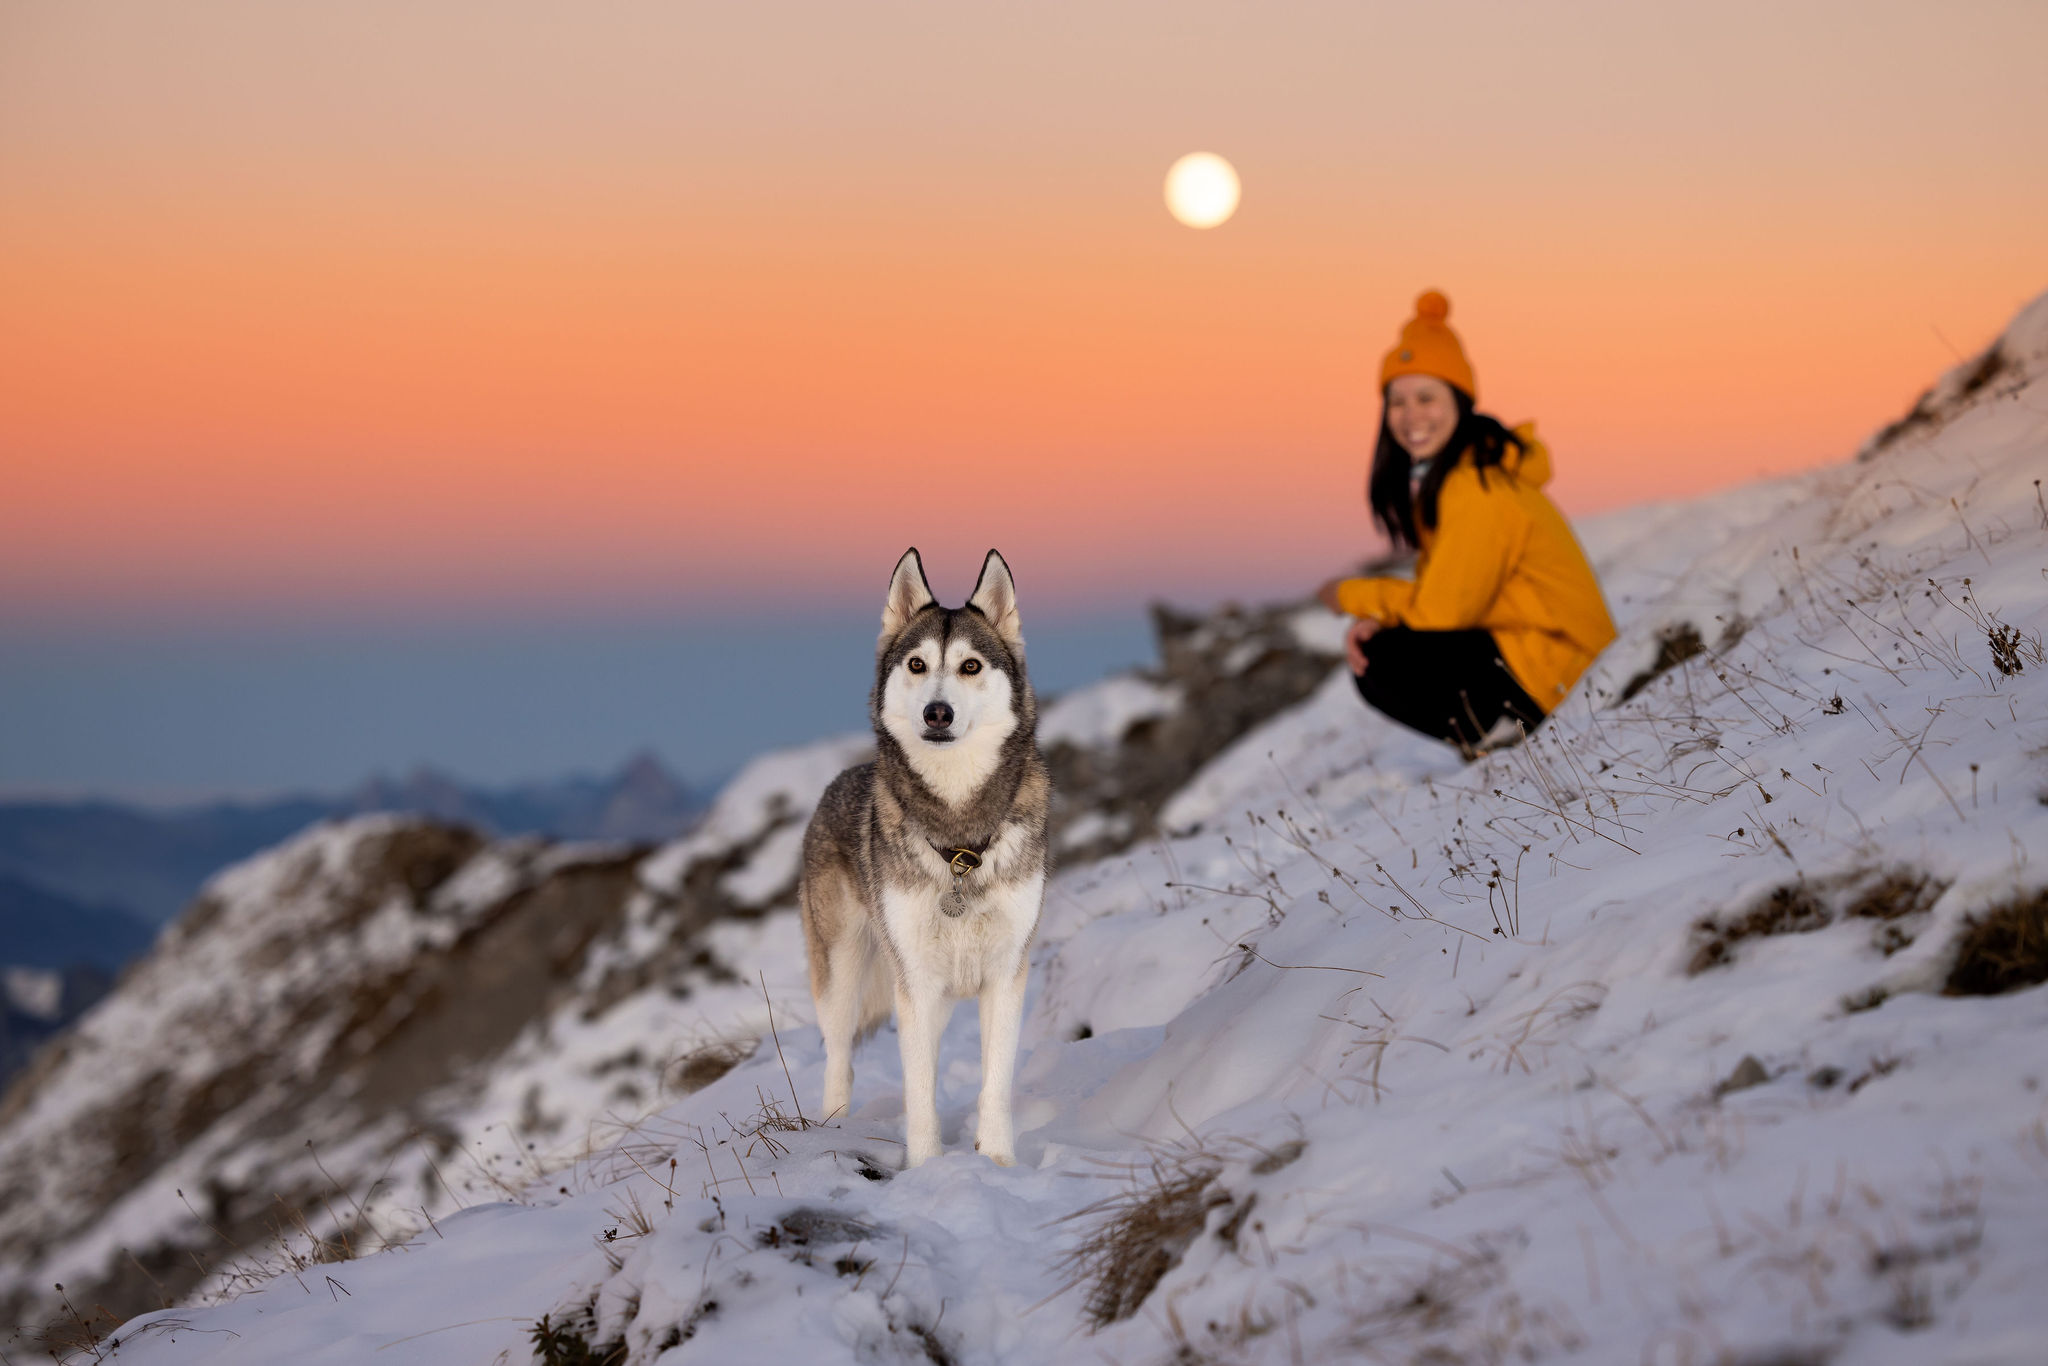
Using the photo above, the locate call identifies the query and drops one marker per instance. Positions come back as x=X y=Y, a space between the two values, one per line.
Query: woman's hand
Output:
x=1362 y=630
x=1327 y=596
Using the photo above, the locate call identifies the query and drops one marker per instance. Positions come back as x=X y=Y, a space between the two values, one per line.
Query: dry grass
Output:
x=1790 y=909
x=1454 y=1307
x=1889 y=896
x=1140 y=1234
x=2003 y=948
x=78 y=1335
x=699 y=1067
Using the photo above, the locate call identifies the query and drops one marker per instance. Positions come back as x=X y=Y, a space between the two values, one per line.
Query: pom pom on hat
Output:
x=1429 y=347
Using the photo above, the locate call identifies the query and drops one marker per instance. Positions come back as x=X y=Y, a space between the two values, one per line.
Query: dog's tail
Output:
x=841 y=945
x=877 y=993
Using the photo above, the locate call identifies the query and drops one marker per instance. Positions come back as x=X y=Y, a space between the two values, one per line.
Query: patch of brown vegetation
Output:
x=2008 y=649
x=1139 y=1236
x=1790 y=909
x=1675 y=645
x=2003 y=948
x=1890 y=896
x=701 y=1066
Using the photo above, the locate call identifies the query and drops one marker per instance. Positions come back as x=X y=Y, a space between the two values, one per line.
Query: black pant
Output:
x=1447 y=684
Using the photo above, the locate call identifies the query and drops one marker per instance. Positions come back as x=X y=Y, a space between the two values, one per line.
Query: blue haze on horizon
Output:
x=172 y=714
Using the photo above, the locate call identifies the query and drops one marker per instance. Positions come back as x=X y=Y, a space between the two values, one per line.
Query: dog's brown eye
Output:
x=916 y=665
x=972 y=666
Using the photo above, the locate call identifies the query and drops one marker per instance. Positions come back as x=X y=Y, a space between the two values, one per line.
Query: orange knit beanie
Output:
x=1429 y=347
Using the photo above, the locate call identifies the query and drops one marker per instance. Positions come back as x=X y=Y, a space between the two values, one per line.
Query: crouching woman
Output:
x=1503 y=613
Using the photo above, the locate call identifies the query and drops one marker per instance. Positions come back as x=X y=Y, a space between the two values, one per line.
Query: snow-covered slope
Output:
x=1706 y=1027
x=356 y=1033
x=359 y=1031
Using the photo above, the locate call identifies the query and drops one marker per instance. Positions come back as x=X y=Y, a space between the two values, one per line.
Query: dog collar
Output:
x=962 y=859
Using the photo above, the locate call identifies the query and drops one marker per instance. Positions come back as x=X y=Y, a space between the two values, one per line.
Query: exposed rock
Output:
x=1218 y=677
x=1749 y=1072
x=321 y=992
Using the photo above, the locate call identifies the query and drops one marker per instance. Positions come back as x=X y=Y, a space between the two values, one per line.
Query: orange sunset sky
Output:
x=445 y=308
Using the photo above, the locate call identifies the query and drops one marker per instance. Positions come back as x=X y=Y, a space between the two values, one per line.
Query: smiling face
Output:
x=1422 y=412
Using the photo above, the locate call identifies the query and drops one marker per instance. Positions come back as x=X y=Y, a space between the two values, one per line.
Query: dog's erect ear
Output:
x=995 y=597
x=909 y=594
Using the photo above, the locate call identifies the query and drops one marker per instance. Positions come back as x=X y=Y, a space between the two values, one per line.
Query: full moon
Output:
x=1201 y=190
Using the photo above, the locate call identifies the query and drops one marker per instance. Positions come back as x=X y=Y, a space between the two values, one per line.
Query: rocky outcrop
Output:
x=311 y=998
x=1119 y=750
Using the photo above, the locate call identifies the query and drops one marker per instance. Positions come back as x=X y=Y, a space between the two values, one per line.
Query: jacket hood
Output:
x=1532 y=463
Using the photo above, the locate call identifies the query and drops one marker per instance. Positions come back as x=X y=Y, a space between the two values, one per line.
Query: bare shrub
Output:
x=567 y=1343
x=2010 y=650
x=2003 y=948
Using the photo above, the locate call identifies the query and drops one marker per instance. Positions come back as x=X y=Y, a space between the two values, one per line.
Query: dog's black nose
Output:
x=938 y=715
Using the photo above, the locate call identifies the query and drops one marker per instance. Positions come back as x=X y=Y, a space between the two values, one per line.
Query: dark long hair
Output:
x=1478 y=437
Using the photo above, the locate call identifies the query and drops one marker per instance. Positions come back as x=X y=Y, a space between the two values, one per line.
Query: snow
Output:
x=1444 y=1033
x=36 y=992
x=1091 y=826
x=773 y=871
x=1097 y=716
x=1319 y=629
x=493 y=1260
x=774 y=787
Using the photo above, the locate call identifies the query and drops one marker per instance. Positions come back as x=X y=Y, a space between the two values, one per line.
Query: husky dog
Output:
x=924 y=871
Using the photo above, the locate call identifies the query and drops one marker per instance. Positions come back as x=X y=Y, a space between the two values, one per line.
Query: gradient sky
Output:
x=446 y=309
x=425 y=380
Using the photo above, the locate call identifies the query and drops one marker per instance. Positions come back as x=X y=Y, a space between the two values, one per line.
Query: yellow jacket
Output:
x=1502 y=559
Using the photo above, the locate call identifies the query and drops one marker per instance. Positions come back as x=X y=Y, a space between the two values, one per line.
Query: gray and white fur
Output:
x=887 y=924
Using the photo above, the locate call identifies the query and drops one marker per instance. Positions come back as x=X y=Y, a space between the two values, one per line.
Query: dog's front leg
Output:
x=1002 y=1016
x=922 y=1007
x=921 y=1010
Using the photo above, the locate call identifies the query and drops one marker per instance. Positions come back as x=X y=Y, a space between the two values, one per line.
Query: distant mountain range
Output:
x=90 y=881
x=85 y=886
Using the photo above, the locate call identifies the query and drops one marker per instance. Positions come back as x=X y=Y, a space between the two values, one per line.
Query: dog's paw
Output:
x=1002 y=1159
